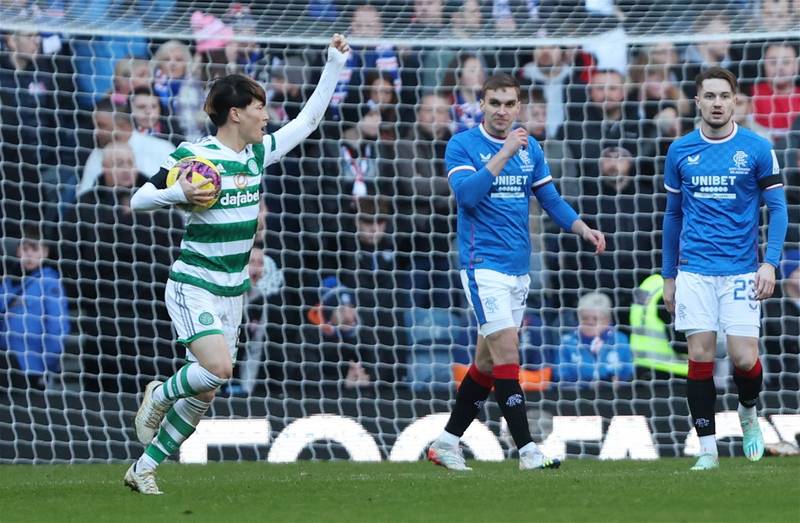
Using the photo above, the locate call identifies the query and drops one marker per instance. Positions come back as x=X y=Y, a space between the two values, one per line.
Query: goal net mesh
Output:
x=357 y=331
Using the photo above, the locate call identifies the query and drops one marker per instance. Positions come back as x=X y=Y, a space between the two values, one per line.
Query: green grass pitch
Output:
x=582 y=490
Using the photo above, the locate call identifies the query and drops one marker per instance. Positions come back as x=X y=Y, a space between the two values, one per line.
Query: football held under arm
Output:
x=155 y=194
x=290 y=135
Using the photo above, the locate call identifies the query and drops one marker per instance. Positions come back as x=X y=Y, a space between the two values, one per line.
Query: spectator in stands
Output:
x=467 y=21
x=664 y=54
x=428 y=19
x=374 y=61
x=323 y=10
x=27 y=104
x=121 y=258
x=424 y=198
x=361 y=158
x=702 y=55
x=147 y=118
x=669 y=126
x=775 y=15
x=463 y=83
x=377 y=94
x=621 y=202
x=626 y=207
x=246 y=56
x=216 y=55
x=114 y=124
x=332 y=341
x=551 y=72
x=419 y=164
x=419 y=66
x=130 y=74
x=37 y=133
x=503 y=16
x=661 y=104
x=511 y=15
x=285 y=90
x=33 y=316
x=171 y=65
x=608 y=120
x=776 y=99
x=744 y=117
x=781 y=327
x=263 y=323
x=654 y=88
x=534 y=114
x=95 y=56
x=596 y=350
x=533 y=117
x=364 y=255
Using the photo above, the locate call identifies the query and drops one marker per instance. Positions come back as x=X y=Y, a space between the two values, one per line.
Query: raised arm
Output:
x=290 y=135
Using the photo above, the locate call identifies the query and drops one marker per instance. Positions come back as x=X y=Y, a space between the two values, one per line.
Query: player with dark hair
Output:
x=493 y=172
x=207 y=282
x=716 y=177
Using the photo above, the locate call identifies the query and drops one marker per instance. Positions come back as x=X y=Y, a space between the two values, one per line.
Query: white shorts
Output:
x=497 y=299
x=195 y=313
x=724 y=304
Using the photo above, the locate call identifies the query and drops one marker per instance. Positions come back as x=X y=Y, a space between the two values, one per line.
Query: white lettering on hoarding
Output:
x=626 y=437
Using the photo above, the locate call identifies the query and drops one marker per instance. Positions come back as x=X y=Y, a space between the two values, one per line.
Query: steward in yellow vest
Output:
x=649 y=340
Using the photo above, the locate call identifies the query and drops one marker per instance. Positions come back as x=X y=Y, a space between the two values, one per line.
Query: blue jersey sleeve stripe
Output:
x=543 y=181
x=461 y=168
x=671 y=189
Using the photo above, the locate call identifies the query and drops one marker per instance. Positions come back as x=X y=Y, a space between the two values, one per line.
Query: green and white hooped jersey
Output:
x=216 y=245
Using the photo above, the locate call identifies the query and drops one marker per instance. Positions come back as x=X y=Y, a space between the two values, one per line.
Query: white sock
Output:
x=530 y=447
x=708 y=445
x=145 y=463
x=747 y=413
x=449 y=439
x=190 y=380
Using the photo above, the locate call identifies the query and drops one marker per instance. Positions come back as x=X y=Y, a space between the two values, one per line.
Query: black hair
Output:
x=234 y=90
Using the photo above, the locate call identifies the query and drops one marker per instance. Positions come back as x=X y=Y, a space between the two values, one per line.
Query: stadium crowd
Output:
x=354 y=279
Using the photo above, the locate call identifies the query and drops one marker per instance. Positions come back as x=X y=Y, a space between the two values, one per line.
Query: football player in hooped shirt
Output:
x=493 y=171
x=716 y=177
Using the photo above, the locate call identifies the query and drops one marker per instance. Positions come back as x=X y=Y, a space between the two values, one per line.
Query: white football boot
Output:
x=536 y=460
x=706 y=462
x=149 y=415
x=142 y=482
x=447 y=456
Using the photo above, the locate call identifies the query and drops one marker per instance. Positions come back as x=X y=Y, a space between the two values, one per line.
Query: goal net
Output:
x=356 y=329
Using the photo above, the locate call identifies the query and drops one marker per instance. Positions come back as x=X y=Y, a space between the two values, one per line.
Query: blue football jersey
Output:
x=721 y=183
x=495 y=234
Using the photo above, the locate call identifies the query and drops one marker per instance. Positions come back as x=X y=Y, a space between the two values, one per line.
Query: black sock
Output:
x=702 y=396
x=469 y=400
x=749 y=384
x=511 y=400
